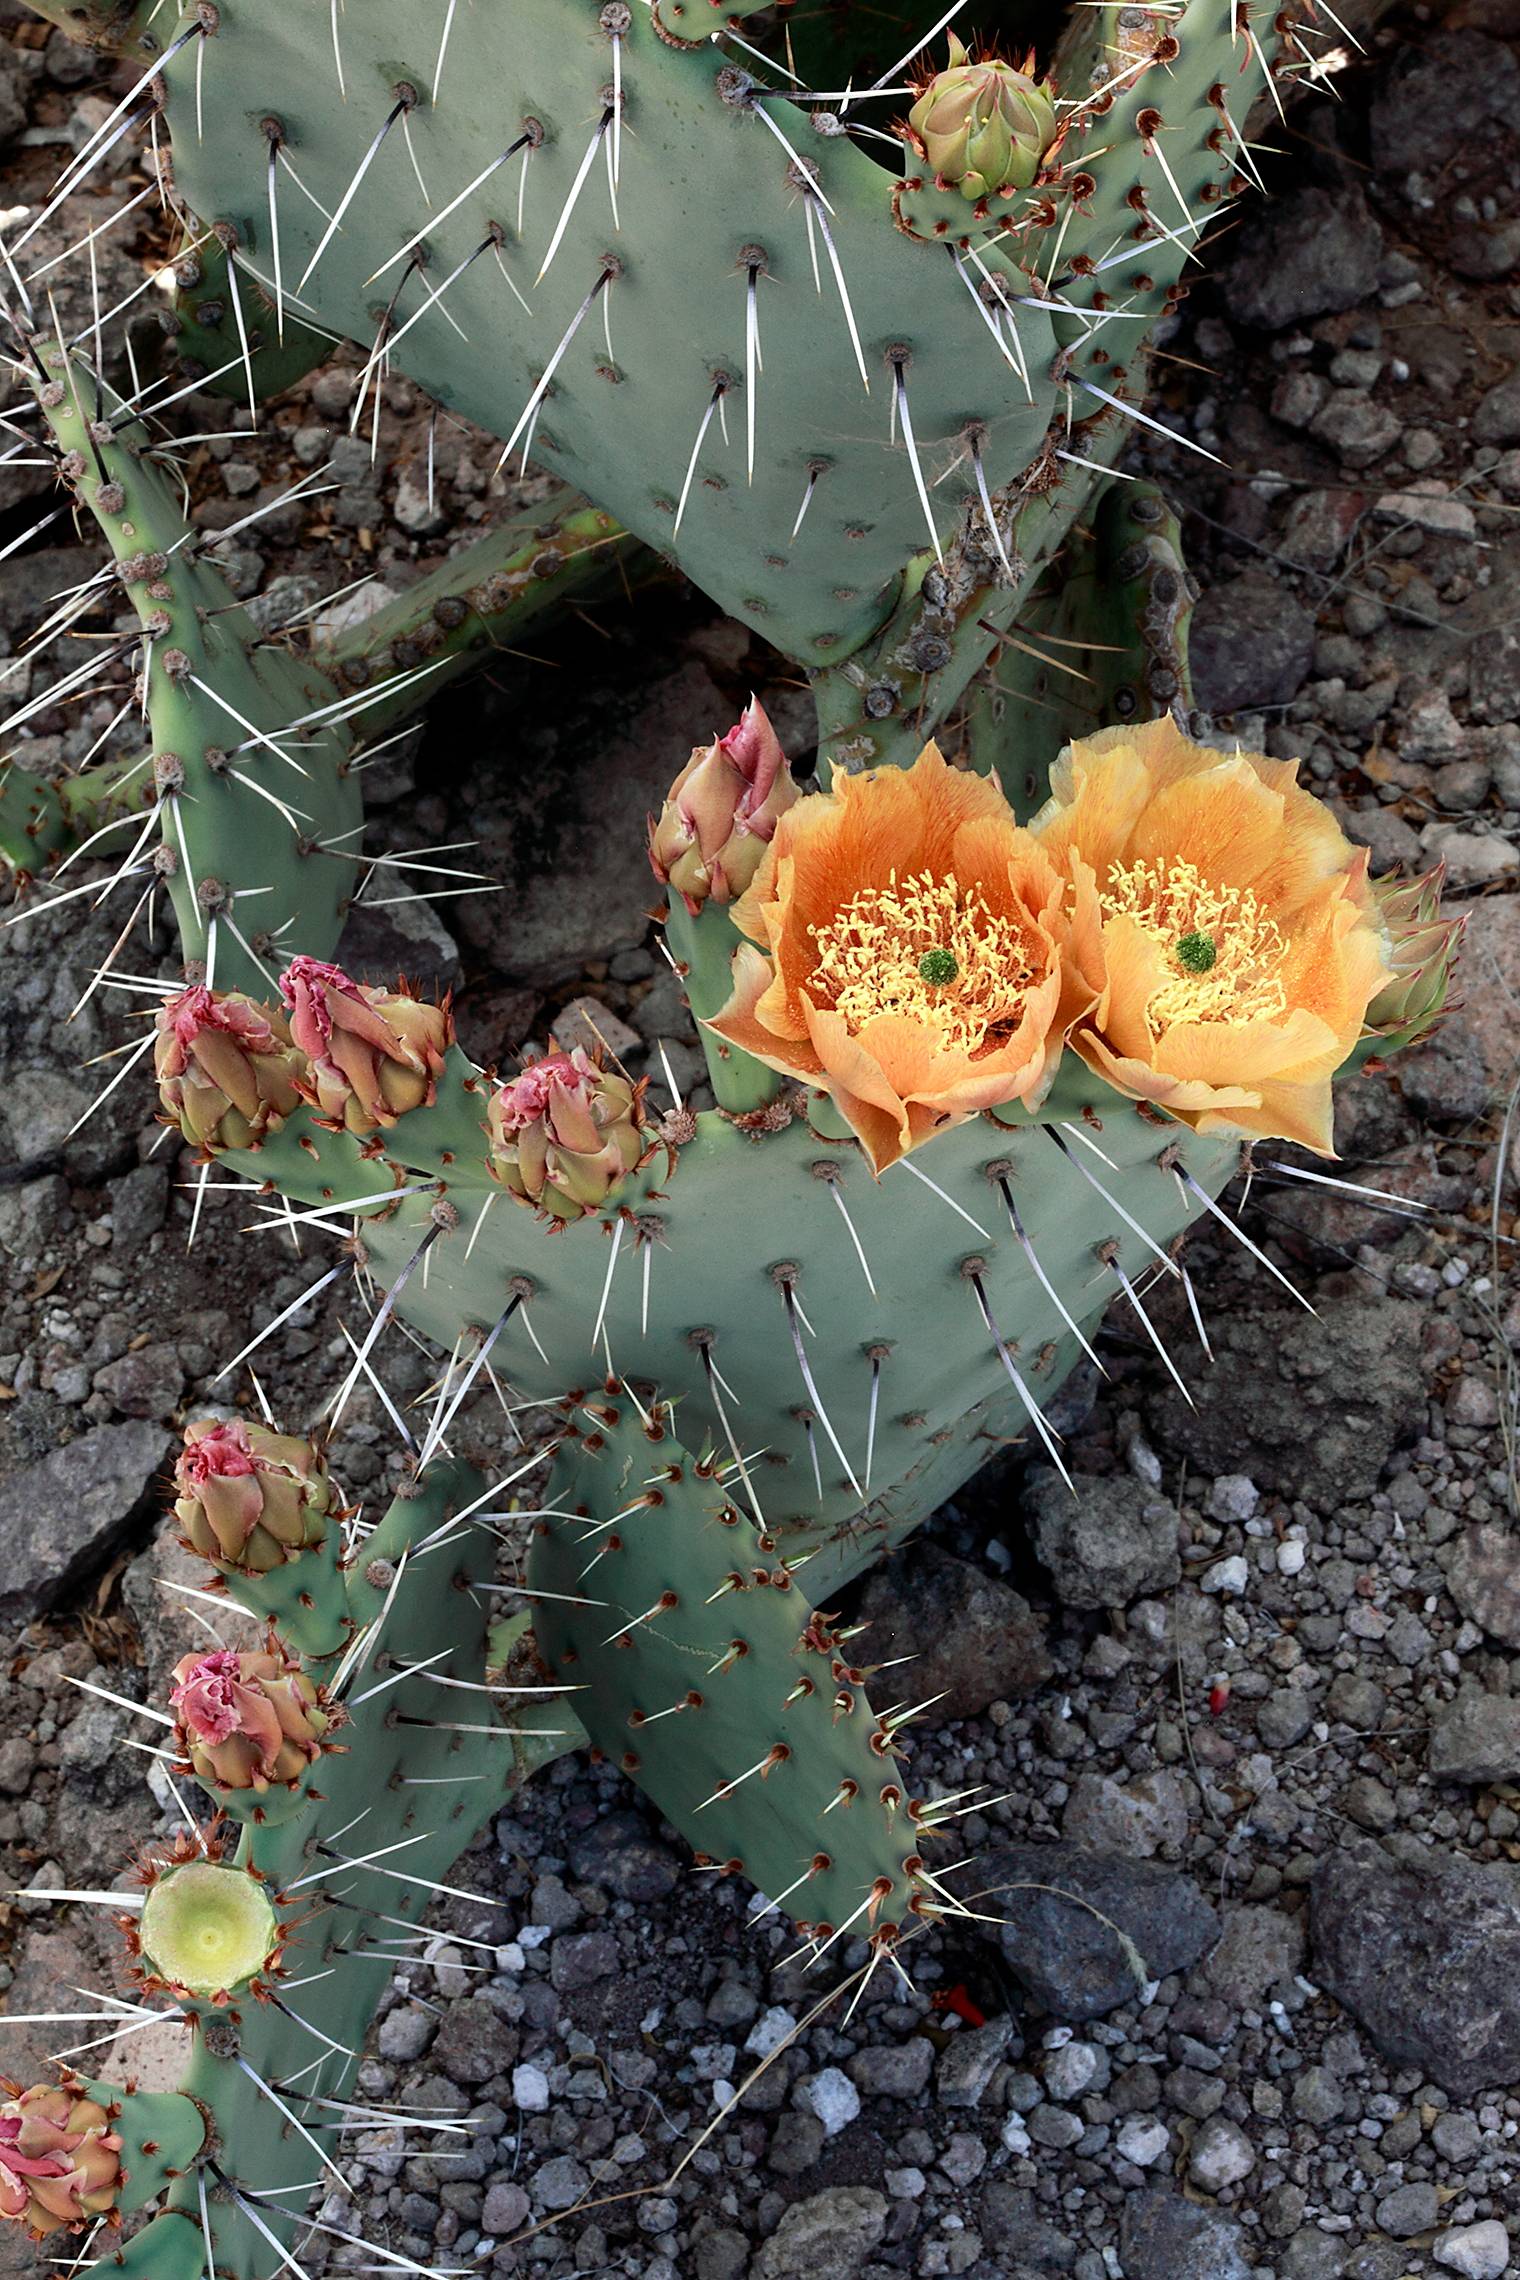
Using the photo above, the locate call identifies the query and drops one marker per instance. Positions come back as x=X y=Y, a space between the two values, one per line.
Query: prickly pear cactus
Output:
x=985 y=1035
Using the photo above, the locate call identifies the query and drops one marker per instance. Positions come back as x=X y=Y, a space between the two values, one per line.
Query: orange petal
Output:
x=1188 y=1100
x=739 y=1022
x=1134 y=970
x=1098 y=793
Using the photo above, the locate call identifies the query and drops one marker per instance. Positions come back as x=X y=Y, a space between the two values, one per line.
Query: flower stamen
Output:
x=1224 y=952
x=930 y=950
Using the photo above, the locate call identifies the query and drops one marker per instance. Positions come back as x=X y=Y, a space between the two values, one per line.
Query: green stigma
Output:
x=1197 y=952
x=940 y=966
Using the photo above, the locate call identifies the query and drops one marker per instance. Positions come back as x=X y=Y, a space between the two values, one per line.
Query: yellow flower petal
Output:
x=1223 y=923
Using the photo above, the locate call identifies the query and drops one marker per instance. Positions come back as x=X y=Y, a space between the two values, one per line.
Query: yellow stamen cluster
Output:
x=873 y=956
x=1183 y=912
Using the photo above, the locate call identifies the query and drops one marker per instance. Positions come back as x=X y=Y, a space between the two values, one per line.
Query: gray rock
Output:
x=1444 y=1080
x=1485 y=249
x=1477 y=1738
x=1484 y=1580
x=1408 y=2210
x=1312 y=2255
x=578 y=1958
x=1143 y=2139
x=506 y=2209
x=1480 y=2251
x=1135 y=1817
x=594 y=1027
x=42 y=1106
x=826 y=2237
x=1357 y=428
x=146 y=1382
x=1112 y=1542
x=1252 y=643
x=1011 y=2214
x=970 y=2059
x=1427 y=1958
x=974 y=1639
x=1063 y=1953
x=139 y=1206
x=1428 y=506
x=1162 y=2237
x=165 y=1625
x=1258 y=1947
x=1284 y=1717
x=1438 y=96
x=1497 y=417
x=1074 y=2068
x=473 y=2041
x=560 y=2183
x=1317 y=2096
x=1309 y=254
x=18 y=1762
x=1054 y=2128
x=1330 y=1399
x=620 y=1854
x=32 y=1215
x=894 y=2070
x=795 y=2144
x=1456 y=2138
x=721 y=2254
x=61 y=1517
x=1220 y=2155
x=406 y=2032
x=12 y=97
x=833 y=2097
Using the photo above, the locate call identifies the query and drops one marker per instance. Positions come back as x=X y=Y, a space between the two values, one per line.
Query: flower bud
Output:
x=982 y=127
x=250 y=1498
x=59 y=2159
x=371 y=1054
x=565 y=1134
x=1422 y=951
x=226 y=1068
x=720 y=812
x=248 y=1721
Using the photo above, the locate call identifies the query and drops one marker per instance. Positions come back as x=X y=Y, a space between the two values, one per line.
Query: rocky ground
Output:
x=1252 y=1697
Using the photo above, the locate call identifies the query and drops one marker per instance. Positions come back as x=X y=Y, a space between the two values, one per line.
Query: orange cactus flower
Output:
x=910 y=960
x=1225 y=924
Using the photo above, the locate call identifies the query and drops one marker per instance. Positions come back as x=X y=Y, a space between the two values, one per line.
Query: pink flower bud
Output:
x=248 y=1721
x=226 y=1068
x=250 y=1498
x=371 y=1054
x=59 y=2159
x=565 y=1134
x=721 y=811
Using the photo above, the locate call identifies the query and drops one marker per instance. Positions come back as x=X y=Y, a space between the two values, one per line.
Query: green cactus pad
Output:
x=713 y=1684
x=740 y=1236
x=670 y=275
